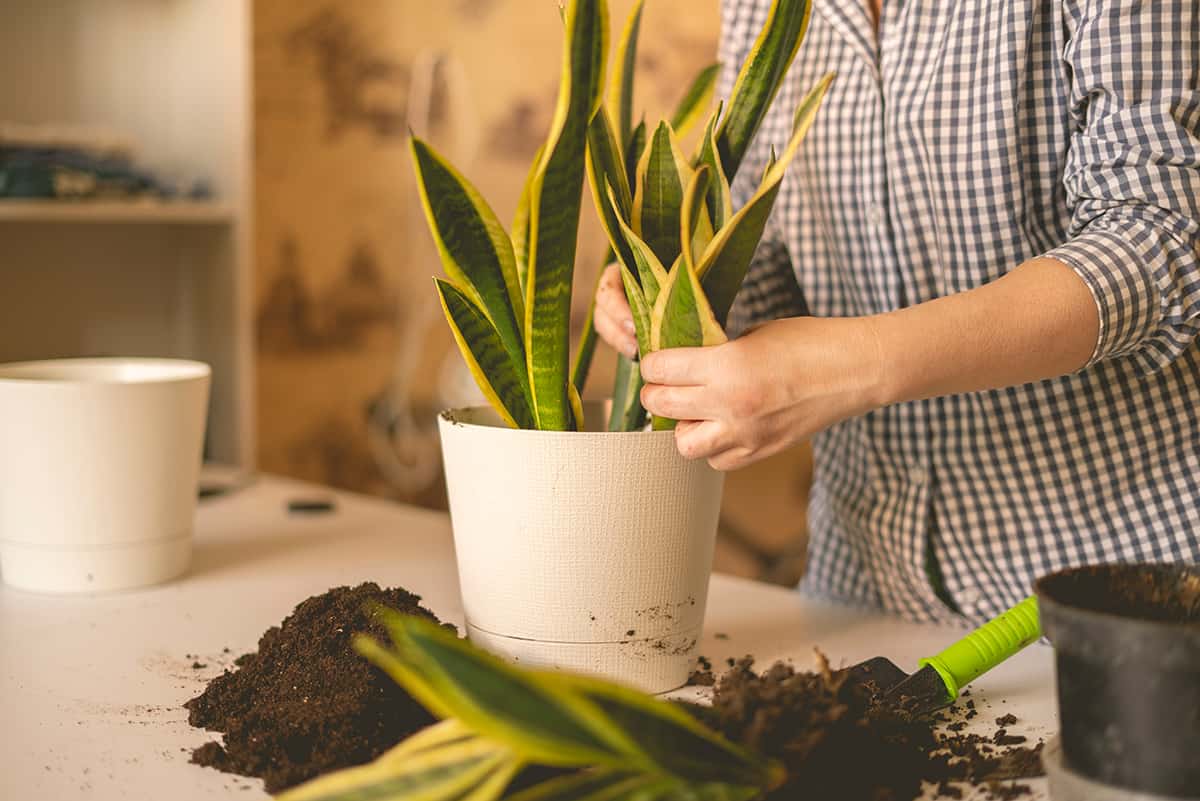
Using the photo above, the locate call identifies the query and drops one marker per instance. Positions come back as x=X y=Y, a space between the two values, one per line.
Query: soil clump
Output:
x=305 y=703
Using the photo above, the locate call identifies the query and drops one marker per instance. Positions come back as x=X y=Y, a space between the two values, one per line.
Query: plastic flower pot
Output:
x=1127 y=645
x=585 y=551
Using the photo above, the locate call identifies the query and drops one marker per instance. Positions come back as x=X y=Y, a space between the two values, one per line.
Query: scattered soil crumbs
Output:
x=702 y=676
x=841 y=742
x=306 y=703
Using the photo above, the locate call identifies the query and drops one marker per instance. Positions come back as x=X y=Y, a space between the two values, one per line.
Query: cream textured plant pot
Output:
x=99 y=463
x=584 y=551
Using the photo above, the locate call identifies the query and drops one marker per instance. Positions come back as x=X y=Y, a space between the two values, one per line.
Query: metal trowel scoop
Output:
x=940 y=678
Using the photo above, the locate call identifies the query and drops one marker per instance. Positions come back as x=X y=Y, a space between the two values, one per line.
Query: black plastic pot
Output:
x=1127 y=644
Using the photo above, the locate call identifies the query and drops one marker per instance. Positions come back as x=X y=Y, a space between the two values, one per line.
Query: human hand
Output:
x=613 y=319
x=752 y=397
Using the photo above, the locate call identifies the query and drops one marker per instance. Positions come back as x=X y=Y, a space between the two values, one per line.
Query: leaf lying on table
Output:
x=616 y=743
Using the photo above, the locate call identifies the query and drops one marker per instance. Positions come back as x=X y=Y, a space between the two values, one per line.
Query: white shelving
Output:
x=138 y=211
x=152 y=278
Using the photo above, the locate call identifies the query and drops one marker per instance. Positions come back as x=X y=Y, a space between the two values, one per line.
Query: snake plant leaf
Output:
x=535 y=719
x=669 y=738
x=607 y=173
x=760 y=77
x=621 y=90
x=441 y=734
x=662 y=175
x=439 y=774
x=650 y=272
x=498 y=375
x=585 y=351
x=627 y=413
x=520 y=225
x=719 y=201
x=635 y=146
x=723 y=266
x=589 y=785
x=682 y=316
x=475 y=249
x=693 y=103
x=576 y=407
x=554 y=204
x=692 y=220
x=639 y=308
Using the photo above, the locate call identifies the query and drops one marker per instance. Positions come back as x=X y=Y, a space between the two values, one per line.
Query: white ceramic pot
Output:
x=99 y=463
x=584 y=551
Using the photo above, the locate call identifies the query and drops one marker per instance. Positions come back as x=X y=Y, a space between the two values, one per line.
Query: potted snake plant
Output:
x=580 y=548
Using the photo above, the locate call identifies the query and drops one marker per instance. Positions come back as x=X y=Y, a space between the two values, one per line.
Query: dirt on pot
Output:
x=841 y=741
x=305 y=703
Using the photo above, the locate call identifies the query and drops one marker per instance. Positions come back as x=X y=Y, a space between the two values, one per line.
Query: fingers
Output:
x=678 y=366
x=677 y=403
x=700 y=439
x=613 y=320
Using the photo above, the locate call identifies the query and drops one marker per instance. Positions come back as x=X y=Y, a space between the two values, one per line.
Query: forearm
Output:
x=1038 y=321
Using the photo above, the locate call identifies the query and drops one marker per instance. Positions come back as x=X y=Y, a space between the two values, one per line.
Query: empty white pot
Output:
x=99 y=463
x=584 y=551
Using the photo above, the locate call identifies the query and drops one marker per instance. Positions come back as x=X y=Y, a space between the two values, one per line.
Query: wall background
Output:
x=345 y=309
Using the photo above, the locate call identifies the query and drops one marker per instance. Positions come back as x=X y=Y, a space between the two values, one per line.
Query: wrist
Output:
x=876 y=368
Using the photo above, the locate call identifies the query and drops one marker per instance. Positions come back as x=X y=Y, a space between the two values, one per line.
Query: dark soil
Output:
x=305 y=703
x=842 y=742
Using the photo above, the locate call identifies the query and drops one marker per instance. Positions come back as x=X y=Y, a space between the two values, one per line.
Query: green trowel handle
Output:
x=987 y=646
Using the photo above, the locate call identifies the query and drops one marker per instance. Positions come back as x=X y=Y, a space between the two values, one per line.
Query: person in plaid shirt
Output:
x=979 y=294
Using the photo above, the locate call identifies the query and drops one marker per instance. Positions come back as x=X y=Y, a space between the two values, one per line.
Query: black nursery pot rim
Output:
x=1055 y=590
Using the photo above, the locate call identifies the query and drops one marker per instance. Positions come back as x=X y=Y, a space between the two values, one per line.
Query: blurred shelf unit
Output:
x=140 y=277
x=117 y=211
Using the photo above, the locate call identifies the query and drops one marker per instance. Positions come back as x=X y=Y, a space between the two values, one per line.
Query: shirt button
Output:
x=875 y=214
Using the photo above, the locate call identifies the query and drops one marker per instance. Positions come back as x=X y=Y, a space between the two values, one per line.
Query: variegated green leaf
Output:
x=691 y=107
x=719 y=201
x=639 y=308
x=691 y=215
x=520 y=226
x=585 y=351
x=621 y=92
x=475 y=249
x=662 y=175
x=536 y=720
x=606 y=172
x=723 y=266
x=497 y=374
x=760 y=78
x=590 y=785
x=440 y=774
x=627 y=412
x=634 y=148
x=671 y=739
x=554 y=214
x=682 y=318
x=650 y=272
x=441 y=734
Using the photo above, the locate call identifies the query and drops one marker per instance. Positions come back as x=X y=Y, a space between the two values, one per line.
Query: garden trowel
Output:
x=940 y=678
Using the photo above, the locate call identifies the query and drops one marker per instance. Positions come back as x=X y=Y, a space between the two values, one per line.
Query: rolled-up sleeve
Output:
x=769 y=290
x=1133 y=173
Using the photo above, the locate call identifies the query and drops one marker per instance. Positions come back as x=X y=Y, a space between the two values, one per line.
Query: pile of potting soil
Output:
x=841 y=741
x=305 y=703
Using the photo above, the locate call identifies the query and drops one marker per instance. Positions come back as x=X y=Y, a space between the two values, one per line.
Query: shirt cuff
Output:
x=1108 y=258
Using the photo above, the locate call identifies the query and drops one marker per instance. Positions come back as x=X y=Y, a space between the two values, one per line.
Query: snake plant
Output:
x=609 y=743
x=682 y=249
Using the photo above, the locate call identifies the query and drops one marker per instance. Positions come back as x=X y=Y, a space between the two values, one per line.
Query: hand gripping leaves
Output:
x=611 y=743
x=681 y=248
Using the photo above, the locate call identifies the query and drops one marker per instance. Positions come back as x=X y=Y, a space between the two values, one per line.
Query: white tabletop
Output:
x=91 y=688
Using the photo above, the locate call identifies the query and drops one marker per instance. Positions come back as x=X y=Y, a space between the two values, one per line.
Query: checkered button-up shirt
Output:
x=979 y=134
